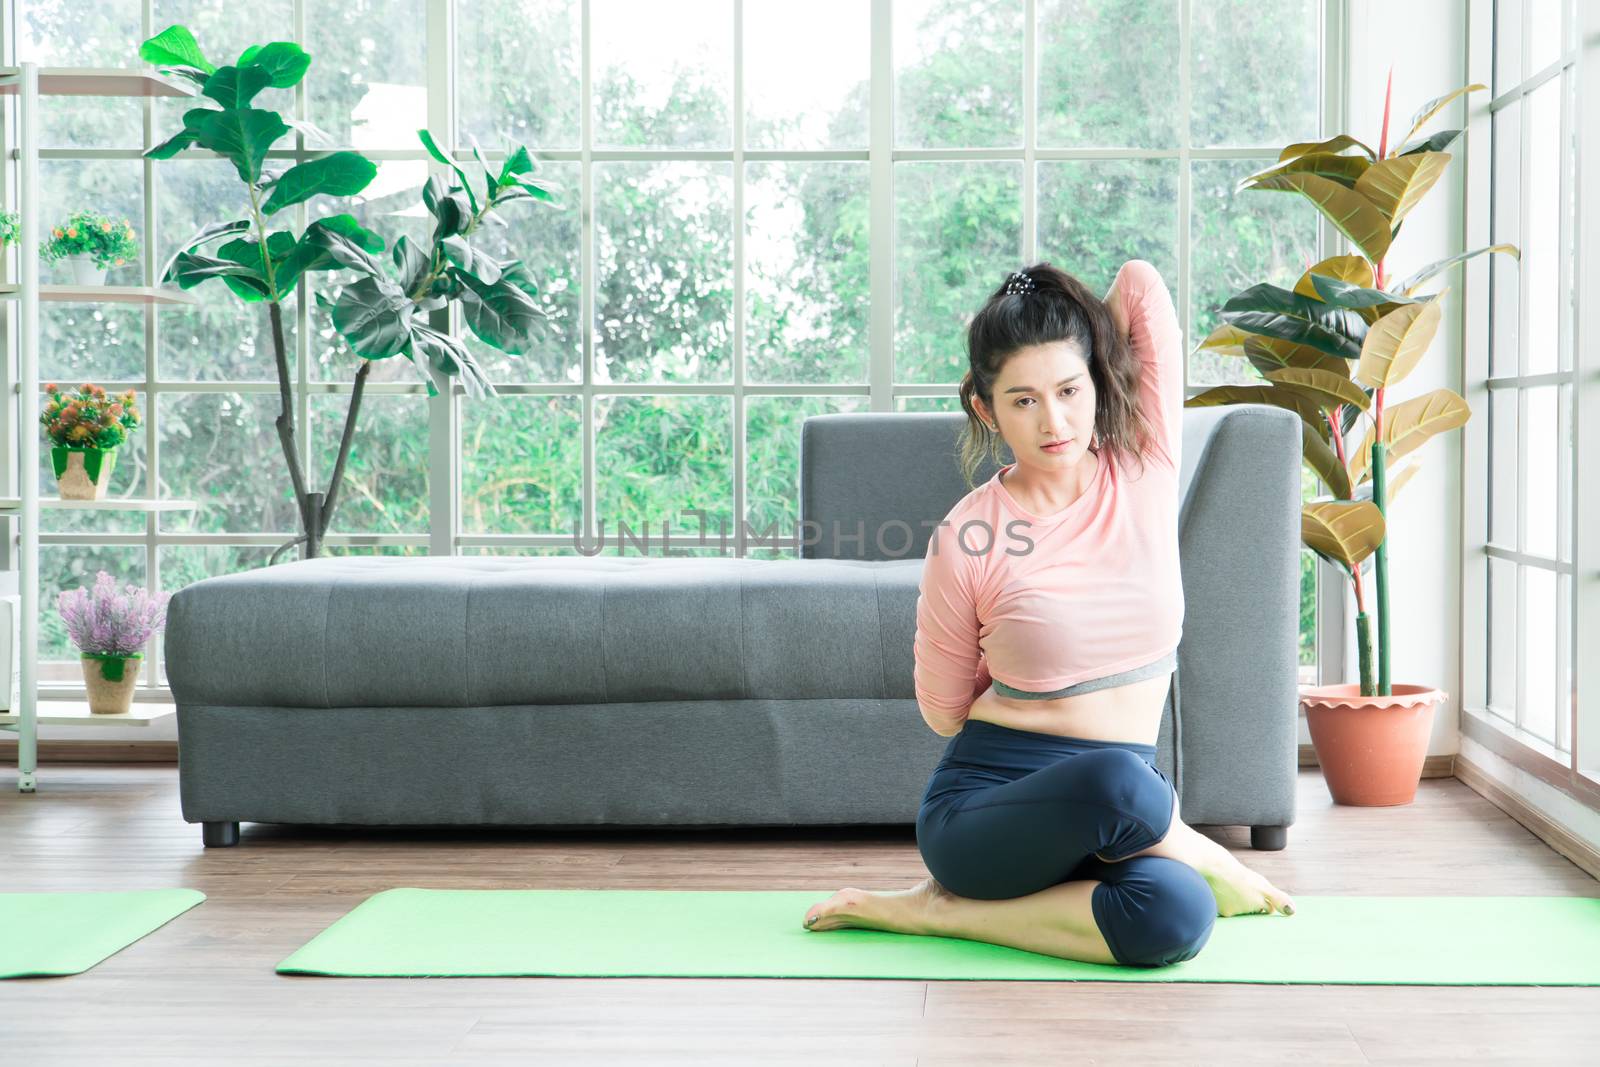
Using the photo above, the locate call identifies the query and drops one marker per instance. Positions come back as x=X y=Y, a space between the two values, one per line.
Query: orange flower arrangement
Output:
x=111 y=242
x=90 y=418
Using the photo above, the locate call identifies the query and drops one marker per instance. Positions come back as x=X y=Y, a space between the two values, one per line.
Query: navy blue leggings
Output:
x=1009 y=812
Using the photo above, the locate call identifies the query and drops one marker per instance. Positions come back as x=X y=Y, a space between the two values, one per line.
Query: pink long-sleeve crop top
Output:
x=1042 y=602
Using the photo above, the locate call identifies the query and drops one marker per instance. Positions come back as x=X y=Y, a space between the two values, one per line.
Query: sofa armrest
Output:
x=1236 y=689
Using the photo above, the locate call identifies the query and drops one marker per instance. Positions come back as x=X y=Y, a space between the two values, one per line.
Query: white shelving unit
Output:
x=105 y=294
x=28 y=82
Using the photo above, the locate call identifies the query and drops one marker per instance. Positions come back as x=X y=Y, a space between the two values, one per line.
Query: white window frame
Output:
x=1576 y=771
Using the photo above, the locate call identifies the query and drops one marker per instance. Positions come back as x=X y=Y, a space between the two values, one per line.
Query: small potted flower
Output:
x=91 y=244
x=9 y=232
x=109 y=629
x=84 y=432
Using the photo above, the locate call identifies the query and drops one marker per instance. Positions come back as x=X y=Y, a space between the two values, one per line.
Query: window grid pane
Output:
x=1505 y=221
x=1500 y=664
x=369 y=93
x=1531 y=641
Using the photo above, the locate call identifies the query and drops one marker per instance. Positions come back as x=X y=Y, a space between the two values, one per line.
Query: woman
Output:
x=1048 y=621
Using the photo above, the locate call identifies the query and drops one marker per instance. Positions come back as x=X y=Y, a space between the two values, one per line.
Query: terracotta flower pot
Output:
x=110 y=680
x=1371 y=748
x=83 y=473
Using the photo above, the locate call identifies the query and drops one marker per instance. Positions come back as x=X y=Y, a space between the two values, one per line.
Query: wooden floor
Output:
x=202 y=989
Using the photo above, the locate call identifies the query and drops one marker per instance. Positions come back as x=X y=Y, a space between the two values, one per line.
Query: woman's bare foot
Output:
x=1241 y=891
x=902 y=911
x=1238 y=889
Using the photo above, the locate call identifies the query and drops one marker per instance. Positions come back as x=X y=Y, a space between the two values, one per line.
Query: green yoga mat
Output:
x=616 y=933
x=43 y=934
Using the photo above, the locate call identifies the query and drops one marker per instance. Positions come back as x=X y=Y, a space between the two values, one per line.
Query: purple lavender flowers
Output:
x=111 y=622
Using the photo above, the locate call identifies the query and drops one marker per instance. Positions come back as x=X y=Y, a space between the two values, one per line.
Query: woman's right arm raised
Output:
x=1143 y=308
x=946 y=651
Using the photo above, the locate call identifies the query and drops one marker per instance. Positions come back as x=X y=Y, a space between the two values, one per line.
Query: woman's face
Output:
x=1045 y=394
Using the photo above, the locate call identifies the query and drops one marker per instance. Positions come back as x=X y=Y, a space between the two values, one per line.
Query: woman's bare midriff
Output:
x=1129 y=712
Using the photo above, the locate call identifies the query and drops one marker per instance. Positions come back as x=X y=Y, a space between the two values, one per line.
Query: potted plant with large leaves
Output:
x=1329 y=349
x=392 y=306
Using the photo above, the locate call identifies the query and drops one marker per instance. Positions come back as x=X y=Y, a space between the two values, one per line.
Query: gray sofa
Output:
x=707 y=691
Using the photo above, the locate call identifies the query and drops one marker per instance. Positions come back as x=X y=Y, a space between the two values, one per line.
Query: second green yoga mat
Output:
x=652 y=933
x=46 y=934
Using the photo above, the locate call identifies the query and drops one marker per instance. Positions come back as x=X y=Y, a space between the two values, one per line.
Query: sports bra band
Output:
x=1165 y=665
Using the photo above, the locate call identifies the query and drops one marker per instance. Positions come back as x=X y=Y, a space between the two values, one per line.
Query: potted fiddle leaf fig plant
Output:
x=1329 y=349
x=382 y=306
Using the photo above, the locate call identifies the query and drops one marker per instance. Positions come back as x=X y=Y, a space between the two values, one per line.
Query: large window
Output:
x=1521 y=576
x=753 y=228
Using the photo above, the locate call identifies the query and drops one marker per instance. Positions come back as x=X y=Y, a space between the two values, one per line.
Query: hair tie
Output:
x=1019 y=282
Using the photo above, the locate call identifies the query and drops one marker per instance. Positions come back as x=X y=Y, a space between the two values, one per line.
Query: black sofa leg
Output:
x=1269 y=838
x=223 y=834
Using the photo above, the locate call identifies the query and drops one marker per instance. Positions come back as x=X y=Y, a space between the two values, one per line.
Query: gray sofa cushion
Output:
x=462 y=631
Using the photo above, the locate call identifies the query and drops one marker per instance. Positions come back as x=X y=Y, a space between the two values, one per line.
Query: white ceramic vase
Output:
x=85 y=271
